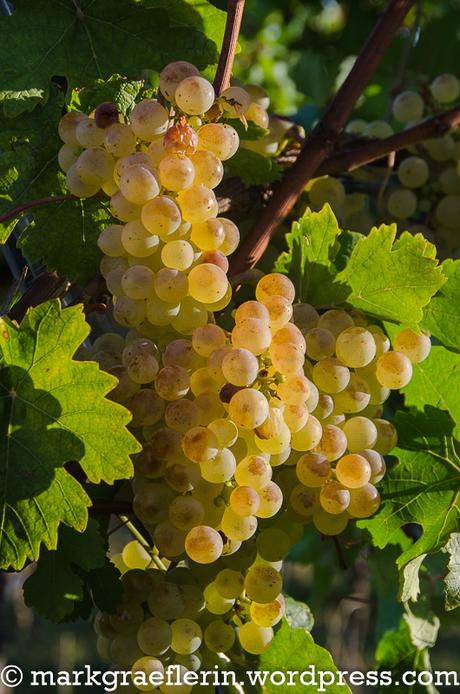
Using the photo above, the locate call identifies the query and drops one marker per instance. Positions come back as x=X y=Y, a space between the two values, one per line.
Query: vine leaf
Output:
x=410 y=579
x=52 y=411
x=442 y=315
x=298 y=614
x=117 y=89
x=436 y=382
x=253 y=168
x=158 y=30
x=452 y=580
x=294 y=649
x=423 y=487
x=391 y=279
x=309 y=262
x=58 y=582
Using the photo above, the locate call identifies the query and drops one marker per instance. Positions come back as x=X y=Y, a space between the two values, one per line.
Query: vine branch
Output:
x=355 y=157
x=235 y=10
x=323 y=137
x=34 y=203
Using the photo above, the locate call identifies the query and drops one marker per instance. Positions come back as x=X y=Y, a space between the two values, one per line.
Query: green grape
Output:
x=149 y=119
x=376 y=462
x=334 y=498
x=415 y=346
x=295 y=416
x=146 y=407
x=252 y=309
x=200 y=444
x=146 y=673
x=361 y=433
x=355 y=347
x=151 y=503
x=67 y=127
x=119 y=140
x=270 y=500
x=194 y=95
x=253 y=471
x=203 y=544
x=232 y=236
x=219 y=637
x=161 y=216
x=189 y=662
x=244 y=501
x=268 y=614
x=166 y=601
x=280 y=311
x=225 y=430
x=305 y=317
x=275 y=284
x=139 y=184
x=255 y=639
x=207 y=283
x=333 y=442
x=173 y=74
x=182 y=415
x=325 y=403
x=355 y=397
x=447 y=211
x=327 y=190
x=154 y=636
x=208 y=169
x=215 y=603
x=248 y=408
x=110 y=240
x=198 y=204
x=273 y=544
x=258 y=115
x=356 y=127
x=136 y=240
x=394 y=370
x=208 y=235
x=303 y=500
x=210 y=407
x=77 y=186
x=252 y=334
x=320 y=343
x=449 y=180
x=160 y=312
x=129 y=615
x=387 y=436
x=330 y=375
x=220 y=469
x=402 y=203
x=181 y=352
x=364 y=502
x=294 y=390
x=182 y=477
x=235 y=101
x=263 y=583
x=408 y=106
x=94 y=166
x=353 y=471
x=207 y=339
x=185 y=512
x=88 y=134
x=335 y=320
x=229 y=583
x=313 y=398
x=378 y=129
x=170 y=285
x=445 y=88
x=240 y=367
x=308 y=437
x=329 y=524
x=186 y=636
x=193 y=599
x=122 y=209
x=220 y=139
x=135 y=556
x=128 y=312
x=237 y=527
x=413 y=172
x=175 y=681
x=137 y=282
x=176 y=172
x=313 y=469
x=172 y=382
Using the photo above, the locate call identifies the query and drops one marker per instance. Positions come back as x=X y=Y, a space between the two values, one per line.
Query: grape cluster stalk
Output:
x=248 y=434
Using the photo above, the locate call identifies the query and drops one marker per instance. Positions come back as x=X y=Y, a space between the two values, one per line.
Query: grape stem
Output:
x=34 y=203
x=355 y=157
x=129 y=525
x=235 y=10
x=323 y=137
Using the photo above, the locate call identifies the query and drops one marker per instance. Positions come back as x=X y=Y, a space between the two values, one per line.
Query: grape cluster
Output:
x=247 y=434
x=423 y=193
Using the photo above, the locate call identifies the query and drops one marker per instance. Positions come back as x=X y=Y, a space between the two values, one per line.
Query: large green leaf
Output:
x=92 y=39
x=59 y=581
x=295 y=650
x=436 y=381
x=52 y=411
x=392 y=279
x=309 y=261
x=442 y=315
x=253 y=168
x=423 y=487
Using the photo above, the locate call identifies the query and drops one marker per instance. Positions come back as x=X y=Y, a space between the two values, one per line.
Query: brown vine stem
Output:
x=354 y=158
x=235 y=10
x=323 y=137
x=34 y=203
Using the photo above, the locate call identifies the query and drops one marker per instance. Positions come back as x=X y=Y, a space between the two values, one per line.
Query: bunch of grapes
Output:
x=247 y=435
x=423 y=193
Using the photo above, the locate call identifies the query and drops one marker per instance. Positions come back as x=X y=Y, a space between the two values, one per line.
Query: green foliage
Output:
x=59 y=579
x=100 y=33
x=117 y=88
x=423 y=487
x=253 y=168
x=442 y=315
x=53 y=411
x=294 y=649
x=452 y=580
x=298 y=614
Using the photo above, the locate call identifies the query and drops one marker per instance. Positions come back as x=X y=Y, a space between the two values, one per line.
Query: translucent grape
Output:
x=244 y=501
x=161 y=216
x=333 y=442
x=186 y=636
x=215 y=603
x=200 y=444
x=413 y=172
x=208 y=235
x=248 y=408
x=219 y=637
x=160 y=312
x=88 y=134
x=313 y=469
x=139 y=184
x=208 y=168
x=191 y=316
x=394 y=370
x=197 y=203
x=387 y=436
x=67 y=127
x=275 y=284
x=263 y=584
x=330 y=375
x=402 y=203
x=308 y=437
x=232 y=237
x=235 y=101
x=173 y=74
x=252 y=334
x=270 y=500
x=255 y=639
x=335 y=321
x=194 y=95
x=77 y=185
x=149 y=119
x=253 y=471
x=154 y=636
x=327 y=190
x=294 y=390
x=219 y=469
x=122 y=209
x=353 y=471
x=110 y=240
x=146 y=407
x=355 y=347
x=364 y=502
x=376 y=462
x=303 y=500
x=445 y=88
x=119 y=140
x=330 y=524
x=268 y=614
x=176 y=172
x=203 y=544
x=220 y=139
x=237 y=527
x=147 y=672
x=207 y=283
x=229 y=583
x=408 y=106
x=334 y=497
x=94 y=166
